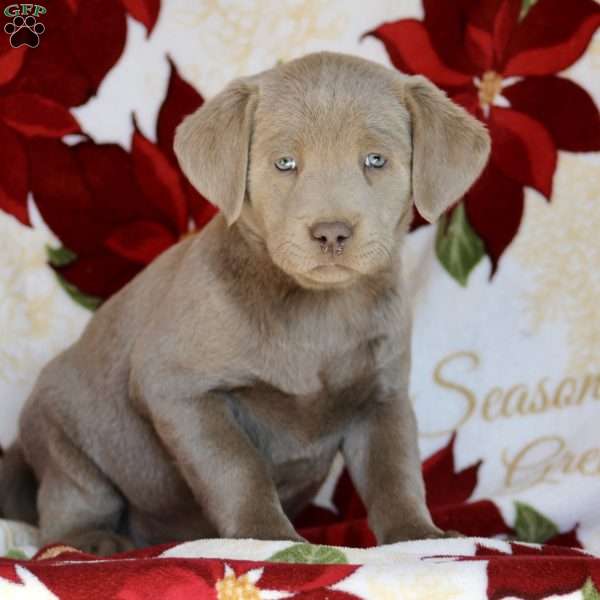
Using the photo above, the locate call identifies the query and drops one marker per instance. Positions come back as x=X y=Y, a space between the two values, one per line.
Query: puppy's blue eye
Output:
x=374 y=161
x=285 y=163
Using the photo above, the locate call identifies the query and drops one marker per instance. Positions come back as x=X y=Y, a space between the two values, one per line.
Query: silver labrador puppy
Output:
x=210 y=395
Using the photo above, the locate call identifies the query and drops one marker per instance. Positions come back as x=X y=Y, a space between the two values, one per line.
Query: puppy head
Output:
x=321 y=157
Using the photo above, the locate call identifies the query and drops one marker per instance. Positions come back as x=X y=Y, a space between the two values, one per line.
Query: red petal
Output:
x=481 y=518
x=11 y=60
x=535 y=573
x=490 y=26
x=494 y=208
x=566 y=110
x=13 y=175
x=62 y=196
x=173 y=582
x=277 y=577
x=352 y=534
x=100 y=275
x=7 y=571
x=536 y=578
x=519 y=549
x=568 y=539
x=480 y=47
x=160 y=181
x=109 y=175
x=141 y=241
x=315 y=516
x=444 y=485
x=523 y=149
x=417 y=221
x=33 y=115
x=54 y=71
x=409 y=46
x=131 y=580
x=346 y=499
x=553 y=35
x=144 y=11
x=97 y=37
x=445 y=22
x=505 y=24
x=181 y=100
x=545 y=550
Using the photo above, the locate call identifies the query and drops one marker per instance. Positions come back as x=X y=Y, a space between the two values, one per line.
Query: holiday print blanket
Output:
x=505 y=288
x=250 y=570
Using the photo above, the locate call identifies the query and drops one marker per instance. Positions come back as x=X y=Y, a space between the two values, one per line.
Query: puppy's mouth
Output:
x=333 y=268
x=331 y=274
x=329 y=267
x=319 y=270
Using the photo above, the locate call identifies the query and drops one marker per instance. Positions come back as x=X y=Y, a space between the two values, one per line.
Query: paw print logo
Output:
x=24 y=31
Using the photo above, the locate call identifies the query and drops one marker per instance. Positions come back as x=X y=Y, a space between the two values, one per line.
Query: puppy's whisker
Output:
x=295 y=261
x=374 y=249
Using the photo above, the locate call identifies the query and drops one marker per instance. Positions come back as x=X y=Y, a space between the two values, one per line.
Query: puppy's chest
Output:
x=298 y=409
x=310 y=378
x=309 y=357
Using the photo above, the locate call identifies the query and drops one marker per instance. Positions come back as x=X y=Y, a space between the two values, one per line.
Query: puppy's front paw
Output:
x=99 y=542
x=269 y=535
x=411 y=533
x=452 y=534
x=441 y=534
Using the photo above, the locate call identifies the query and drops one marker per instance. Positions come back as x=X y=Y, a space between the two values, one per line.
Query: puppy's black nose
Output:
x=332 y=236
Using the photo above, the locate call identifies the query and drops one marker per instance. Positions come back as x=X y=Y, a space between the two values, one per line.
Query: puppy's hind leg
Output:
x=78 y=505
x=18 y=487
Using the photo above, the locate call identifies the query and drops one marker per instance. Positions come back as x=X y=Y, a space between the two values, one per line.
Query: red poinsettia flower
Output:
x=202 y=578
x=533 y=573
x=143 y=574
x=302 y=581
x=501 y=65
x=81 y=42
x=117 y=210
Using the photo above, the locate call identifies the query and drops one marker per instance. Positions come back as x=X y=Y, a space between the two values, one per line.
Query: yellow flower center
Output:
x=489 y=87
x=236 y=588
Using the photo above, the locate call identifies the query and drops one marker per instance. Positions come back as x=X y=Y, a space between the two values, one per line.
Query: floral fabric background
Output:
x=506 y=288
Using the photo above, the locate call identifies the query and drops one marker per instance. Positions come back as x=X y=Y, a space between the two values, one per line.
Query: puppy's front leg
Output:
x=227 y=475
x=382 y=455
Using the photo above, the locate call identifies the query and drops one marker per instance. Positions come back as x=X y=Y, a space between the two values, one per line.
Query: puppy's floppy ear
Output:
x=212 y=146
x=450 y=147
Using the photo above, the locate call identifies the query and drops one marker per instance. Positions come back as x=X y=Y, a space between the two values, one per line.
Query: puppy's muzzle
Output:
x=331 y=236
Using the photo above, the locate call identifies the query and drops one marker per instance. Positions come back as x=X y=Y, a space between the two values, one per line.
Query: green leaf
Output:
x=526 y=7
x=589 y=591
x=60 y=257
x=15 y=554
x=532 y=526
x=310 y=553
x=85 y=300
x=457 y=245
